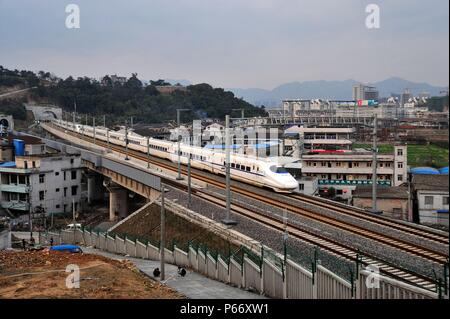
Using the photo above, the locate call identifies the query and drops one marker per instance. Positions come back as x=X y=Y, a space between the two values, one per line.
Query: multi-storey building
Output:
x=322 y=138
x=50 y=181
x=344 y=171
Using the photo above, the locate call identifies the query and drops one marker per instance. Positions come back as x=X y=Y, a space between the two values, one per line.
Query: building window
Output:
x=34 y=164
x=71 y=161
x=355 y=164
x=429 y=200
x=41 y=178
x=57 y=206
x=302 y=187
x=445 y=200
x=400 y=152
x=65 y=191
x=399 y=165
x=57 y=190
x=64 y=175
x=74 y=190
x=338 y=164
x=74 y=175
x=56 y=173
x=41 y=195
x=400 y=178
x=25 y=164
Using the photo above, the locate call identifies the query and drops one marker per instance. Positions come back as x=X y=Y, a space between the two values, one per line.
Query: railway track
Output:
x=408 y=247
x=340 y=250
x=380 y=220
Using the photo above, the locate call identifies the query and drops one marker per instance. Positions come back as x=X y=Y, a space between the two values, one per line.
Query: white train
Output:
x=262 y=172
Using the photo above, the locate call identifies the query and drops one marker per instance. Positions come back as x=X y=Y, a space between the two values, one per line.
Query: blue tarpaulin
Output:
x=69 y=248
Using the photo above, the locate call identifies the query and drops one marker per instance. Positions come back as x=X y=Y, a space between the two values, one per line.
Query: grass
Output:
x=418 y=155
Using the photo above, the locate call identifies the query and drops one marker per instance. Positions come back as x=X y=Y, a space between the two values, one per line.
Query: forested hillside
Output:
x=131 y=98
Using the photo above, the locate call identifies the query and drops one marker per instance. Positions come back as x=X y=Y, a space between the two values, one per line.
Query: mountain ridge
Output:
x=339 y=90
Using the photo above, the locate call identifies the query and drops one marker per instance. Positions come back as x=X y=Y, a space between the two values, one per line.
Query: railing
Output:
x=266 y=273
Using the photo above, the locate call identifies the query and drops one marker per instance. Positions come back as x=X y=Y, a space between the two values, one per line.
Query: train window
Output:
x=279 y=169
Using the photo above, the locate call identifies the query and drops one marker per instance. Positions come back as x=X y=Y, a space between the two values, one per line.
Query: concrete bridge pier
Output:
x=95 y=188
x=118 y=203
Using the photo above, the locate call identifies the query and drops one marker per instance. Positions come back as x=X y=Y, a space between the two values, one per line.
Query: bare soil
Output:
x=41 y=274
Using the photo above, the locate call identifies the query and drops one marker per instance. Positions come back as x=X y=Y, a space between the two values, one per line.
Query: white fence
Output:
x=287 y=281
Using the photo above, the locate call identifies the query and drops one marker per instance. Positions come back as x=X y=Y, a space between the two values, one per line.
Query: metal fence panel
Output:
x=252 y=276
x=299 y=282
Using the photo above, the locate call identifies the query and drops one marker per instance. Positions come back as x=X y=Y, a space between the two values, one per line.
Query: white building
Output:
x=431 y=198
x=50 y=181
x=344 y=171
x=322 y=138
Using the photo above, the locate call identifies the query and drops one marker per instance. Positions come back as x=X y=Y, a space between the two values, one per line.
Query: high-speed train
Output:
x=261 y=172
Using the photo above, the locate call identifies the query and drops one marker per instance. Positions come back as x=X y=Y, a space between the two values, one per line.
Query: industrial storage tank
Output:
x=424 y=171
x=19 y=147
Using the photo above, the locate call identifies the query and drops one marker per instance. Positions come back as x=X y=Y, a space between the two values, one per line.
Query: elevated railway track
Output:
x=288 y=202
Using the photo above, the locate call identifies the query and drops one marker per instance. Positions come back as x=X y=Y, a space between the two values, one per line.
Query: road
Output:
x=4 y=95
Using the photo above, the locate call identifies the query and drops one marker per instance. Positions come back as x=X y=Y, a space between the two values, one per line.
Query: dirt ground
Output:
x=41 y=274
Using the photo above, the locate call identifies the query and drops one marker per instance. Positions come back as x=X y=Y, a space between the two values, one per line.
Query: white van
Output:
x=71 y=227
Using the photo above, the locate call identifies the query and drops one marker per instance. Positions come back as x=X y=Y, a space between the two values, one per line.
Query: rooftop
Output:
x=365 y=191
x=430 y=182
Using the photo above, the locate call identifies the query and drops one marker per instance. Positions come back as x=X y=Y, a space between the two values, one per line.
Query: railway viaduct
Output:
x=117 y=177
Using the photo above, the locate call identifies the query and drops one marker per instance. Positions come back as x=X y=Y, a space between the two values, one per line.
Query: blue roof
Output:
x=424 y=171
x=8 y=164
x=444 y=170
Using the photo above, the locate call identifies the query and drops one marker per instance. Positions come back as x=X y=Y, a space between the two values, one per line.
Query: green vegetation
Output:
x=418 y=154
x=120 y=101
x=14 y=108
x=16 y=77
x=437 y=103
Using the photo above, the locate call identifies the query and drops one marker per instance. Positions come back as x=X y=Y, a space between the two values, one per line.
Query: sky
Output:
x=230 y=43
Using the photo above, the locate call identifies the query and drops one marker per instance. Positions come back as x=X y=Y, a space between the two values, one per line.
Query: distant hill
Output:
x=339 y=90
x=182 y=82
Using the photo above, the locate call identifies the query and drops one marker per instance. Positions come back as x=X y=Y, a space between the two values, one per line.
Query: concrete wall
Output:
x=5 y=239
x=290 y=281
x=395 y=208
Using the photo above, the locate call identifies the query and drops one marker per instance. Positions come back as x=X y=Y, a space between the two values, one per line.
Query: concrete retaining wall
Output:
x=298 y=283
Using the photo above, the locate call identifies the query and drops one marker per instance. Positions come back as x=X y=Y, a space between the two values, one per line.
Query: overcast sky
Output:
x=230 y=43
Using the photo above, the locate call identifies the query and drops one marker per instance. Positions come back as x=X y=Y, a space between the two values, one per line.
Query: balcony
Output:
x=352 y=182
x=16 y=205
x=13 y=188
x=345 y=170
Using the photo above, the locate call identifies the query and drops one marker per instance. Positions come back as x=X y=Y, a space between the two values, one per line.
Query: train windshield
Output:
x=278 y=169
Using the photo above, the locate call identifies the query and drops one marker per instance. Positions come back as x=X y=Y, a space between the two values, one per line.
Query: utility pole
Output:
x=74 y=220
x=374 y=166
x=93 y=126
x=148 y=152
x=107 y=138
x=163 y=233
x=179 y=177
x=189 y=182
x=228 y=220
x=126 y=142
